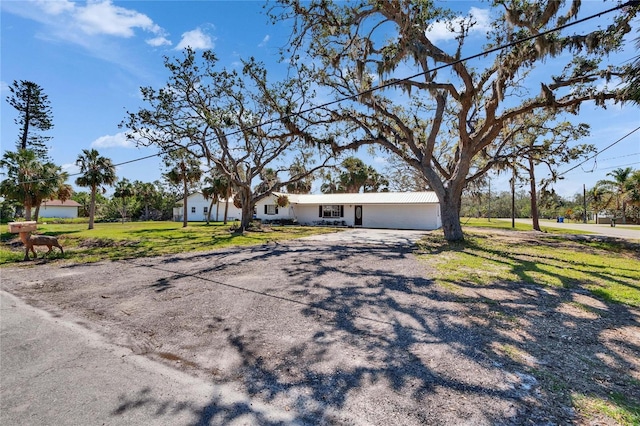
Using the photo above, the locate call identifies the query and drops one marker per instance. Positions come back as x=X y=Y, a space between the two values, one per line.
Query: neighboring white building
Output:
x=59 y=209
x=198 y=206
x=391 y=210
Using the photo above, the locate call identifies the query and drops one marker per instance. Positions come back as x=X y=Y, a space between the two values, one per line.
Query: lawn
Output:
x=114 y=241
x=606 y=268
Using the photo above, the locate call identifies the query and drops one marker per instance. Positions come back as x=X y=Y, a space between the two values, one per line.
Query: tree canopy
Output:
x=34 y=114
x=238 y=122
x=399 y=88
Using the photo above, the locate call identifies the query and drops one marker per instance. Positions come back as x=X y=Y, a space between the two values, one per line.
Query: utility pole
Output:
x=513 y=199
x=489 y=207
x=584 y=202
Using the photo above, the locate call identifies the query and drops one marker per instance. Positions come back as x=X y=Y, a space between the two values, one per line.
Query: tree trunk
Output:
x=218 y=211
x=247 y=215
x=247 y=208
x=27 y=119
x=92 y=207
x=184 y=204
x=27 y=210
x=226 y=210
x=534 y=197
x=450 y=212
x=36 y=213
x=209 y=210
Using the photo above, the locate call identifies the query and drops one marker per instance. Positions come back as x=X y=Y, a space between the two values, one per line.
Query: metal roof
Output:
x=364 y=198
x=58 y=203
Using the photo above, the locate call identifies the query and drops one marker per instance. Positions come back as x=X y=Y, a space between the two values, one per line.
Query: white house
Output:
x=59 y=209
x=392 y=210
x=198 y=207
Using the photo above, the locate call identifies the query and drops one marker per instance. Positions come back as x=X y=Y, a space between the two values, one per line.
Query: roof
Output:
x=58 y=203
x=428 y=197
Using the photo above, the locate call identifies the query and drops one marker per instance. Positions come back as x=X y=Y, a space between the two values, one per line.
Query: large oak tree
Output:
x=434 y=110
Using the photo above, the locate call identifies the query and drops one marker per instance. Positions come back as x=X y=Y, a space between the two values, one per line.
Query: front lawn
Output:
x=115 y=241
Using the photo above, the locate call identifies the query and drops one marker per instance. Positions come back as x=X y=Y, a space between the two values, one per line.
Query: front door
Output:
x=358 y=219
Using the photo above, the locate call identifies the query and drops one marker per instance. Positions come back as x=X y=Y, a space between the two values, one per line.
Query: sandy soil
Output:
x=353 y=335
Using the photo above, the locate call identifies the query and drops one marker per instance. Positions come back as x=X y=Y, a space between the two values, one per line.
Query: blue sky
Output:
x=92 y=57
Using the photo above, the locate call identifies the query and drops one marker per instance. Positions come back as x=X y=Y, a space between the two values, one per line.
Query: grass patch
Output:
x=610 y=271
x=617 y=407
x=506 y=225
x=141 y=239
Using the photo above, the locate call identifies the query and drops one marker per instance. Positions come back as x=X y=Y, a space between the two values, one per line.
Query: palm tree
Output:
x=51 y=185
x=620 y=182
x=185 y=170
x=124 y=189
x=301 y=186
x=97 y=171
x=29 y=181
x=217 y=187
x=146 y=193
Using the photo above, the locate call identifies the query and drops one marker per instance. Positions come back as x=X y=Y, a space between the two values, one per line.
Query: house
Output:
x=392 y=210
x=198 y=207
x=59 y=209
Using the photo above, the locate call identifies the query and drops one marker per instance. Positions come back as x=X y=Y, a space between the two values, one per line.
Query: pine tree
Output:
x=34 y=114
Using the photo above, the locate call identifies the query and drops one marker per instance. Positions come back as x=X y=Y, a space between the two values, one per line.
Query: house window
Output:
x=332 y=211
x=193 y=209
x=205 y=210
x=270 y=209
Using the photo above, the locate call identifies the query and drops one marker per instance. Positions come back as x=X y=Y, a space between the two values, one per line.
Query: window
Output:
x=193 y=209
x=270 y=209
x=332 y=211
x=205 y=210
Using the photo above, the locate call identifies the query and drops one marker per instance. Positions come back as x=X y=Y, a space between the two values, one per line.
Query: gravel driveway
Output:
x=339 y=329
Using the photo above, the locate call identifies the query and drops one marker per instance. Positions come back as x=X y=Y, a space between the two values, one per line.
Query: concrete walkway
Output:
x=619 y=231
x=55 y=372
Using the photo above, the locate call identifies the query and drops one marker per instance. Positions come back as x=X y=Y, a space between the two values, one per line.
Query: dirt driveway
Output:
x=340 y=333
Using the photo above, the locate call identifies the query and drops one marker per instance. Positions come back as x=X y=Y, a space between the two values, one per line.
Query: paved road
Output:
x=55 y=372
x=370 y=236
x=618 y=232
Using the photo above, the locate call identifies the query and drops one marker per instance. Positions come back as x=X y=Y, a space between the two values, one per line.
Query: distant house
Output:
x=59 y=209
x=198 y=207
x=391 y=210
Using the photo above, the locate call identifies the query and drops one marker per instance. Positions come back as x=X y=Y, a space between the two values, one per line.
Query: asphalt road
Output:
x=619 y=231
x=55 y=372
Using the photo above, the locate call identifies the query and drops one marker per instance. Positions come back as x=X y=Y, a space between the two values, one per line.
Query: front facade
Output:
x=67 y=209
x=390 y=210
x=198 y=208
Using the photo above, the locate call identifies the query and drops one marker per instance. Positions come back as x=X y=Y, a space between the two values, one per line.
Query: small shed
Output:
x=390 y=210
x=67 y=209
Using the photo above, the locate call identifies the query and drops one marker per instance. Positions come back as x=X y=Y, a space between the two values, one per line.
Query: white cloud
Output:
x=196 y=39
x=105 y=18
x=56 y=7
x=119 y=140
x=4 y=87
x=264 y=41
x=72 y=21
x=440 y=31
x=159 y=41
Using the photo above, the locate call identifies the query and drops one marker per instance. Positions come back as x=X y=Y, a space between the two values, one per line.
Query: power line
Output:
x=600 y=152
x=394 y=82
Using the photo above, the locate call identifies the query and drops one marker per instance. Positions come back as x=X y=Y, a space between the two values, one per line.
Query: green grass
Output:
x=506 y=224
x=140 y=239
x=610 y=271
x=617 y=407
